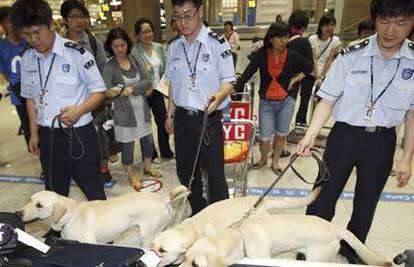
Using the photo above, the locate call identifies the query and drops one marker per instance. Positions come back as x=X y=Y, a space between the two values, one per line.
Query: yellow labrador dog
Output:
x=174 y=242
x=263 y=237
x=103 y=221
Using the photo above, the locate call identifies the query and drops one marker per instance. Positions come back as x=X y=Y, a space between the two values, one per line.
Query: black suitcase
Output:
x=75 y=254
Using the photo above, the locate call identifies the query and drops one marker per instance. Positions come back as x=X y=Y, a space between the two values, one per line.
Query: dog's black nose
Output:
x=19 y=213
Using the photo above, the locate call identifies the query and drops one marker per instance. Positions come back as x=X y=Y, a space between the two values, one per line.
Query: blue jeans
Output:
x=275 y=117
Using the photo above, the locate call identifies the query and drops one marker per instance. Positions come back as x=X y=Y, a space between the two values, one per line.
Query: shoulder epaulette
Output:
x=217 y=37
x=411 y=45
x=75 y=46
x=27 y=47
x=355 y=47
x=173 y=39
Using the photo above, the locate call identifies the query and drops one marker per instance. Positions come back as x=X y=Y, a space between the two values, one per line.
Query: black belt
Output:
x=369 y=129
x=196 y=112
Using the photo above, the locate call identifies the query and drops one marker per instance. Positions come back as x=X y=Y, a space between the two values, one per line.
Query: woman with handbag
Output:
x=325 y=47
x=128 y=83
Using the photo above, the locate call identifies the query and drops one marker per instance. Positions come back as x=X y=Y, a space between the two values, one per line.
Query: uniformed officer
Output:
x=200 y=68
x=59 y=77
x=369 y=91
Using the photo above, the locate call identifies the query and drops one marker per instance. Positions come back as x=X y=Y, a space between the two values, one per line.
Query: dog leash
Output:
x=71 y=132
x=322 y=176
x=204 y=137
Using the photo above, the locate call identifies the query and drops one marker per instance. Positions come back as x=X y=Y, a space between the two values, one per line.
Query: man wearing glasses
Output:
x=75 y=17
x=200 y=69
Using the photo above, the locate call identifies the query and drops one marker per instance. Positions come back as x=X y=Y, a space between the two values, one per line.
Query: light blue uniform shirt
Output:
x=74 y=76
x=348 y=84
x=214 y=67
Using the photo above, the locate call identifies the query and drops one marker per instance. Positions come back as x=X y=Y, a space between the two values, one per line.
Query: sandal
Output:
x=276 y=169
x=153 y=173
x=259 y=164
x=136 y=183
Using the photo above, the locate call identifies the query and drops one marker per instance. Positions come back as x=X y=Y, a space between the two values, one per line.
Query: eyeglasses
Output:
x=184 y=18
x=77 y=17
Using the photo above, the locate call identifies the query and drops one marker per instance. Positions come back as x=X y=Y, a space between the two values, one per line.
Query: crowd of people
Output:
x=83 y=83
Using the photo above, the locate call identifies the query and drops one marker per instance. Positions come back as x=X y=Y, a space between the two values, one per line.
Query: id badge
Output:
x=193 y=84
x=369 y=113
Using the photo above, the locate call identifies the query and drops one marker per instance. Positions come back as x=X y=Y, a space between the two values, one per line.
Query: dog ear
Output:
x=58 y=211
x=213 y=260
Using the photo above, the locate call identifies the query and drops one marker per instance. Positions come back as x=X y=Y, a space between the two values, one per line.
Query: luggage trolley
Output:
x=239 y=135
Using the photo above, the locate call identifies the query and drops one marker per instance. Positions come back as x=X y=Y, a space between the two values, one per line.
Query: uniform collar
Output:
x=373 y=49
x=201 y=37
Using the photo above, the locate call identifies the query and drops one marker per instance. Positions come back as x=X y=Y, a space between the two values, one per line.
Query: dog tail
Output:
x=367 y=255
x=292 y=203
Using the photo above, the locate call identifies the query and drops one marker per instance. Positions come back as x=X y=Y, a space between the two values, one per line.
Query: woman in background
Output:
x=128 y=83
x=152 y=56
x=325 y=46
x=280 y=68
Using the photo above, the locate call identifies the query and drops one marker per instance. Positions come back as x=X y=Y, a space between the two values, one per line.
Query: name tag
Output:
x=359 y=72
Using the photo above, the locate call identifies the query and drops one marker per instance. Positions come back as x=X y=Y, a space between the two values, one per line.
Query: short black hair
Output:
x=364 y=25
x=325 y=20
x=5 y=12
x=139 y=22
x=117 y=33
x=27 y=13
x=299 y=19
x=391 y=8
x=277 y=29
x=228 y=22
x=68 y=5
x=197 y=3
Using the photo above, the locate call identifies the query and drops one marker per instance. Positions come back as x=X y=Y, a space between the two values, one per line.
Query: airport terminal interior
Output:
x=392 y=229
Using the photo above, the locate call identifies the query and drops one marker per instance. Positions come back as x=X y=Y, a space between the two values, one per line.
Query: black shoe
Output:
x=51 y=237
x=350 y=254
x=285 y=153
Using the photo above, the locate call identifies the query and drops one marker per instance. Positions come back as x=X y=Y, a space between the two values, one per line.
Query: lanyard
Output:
x=192 y=72
x=42 y=88
x=372 y=101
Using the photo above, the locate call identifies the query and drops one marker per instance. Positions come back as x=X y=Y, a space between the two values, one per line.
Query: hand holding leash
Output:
x=212 y=104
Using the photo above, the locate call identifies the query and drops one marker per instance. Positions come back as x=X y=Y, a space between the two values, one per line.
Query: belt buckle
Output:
x=192 y=112
x=371 y=129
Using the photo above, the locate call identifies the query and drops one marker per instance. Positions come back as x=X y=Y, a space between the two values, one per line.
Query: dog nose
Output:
x=19 y=213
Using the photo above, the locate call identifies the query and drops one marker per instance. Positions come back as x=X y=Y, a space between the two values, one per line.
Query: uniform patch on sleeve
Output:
x=89 y=64
x=73 y=45
x=226 y=53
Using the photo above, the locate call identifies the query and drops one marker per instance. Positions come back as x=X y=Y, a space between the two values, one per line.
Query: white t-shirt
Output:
x=156 y=65
x=320 y=45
